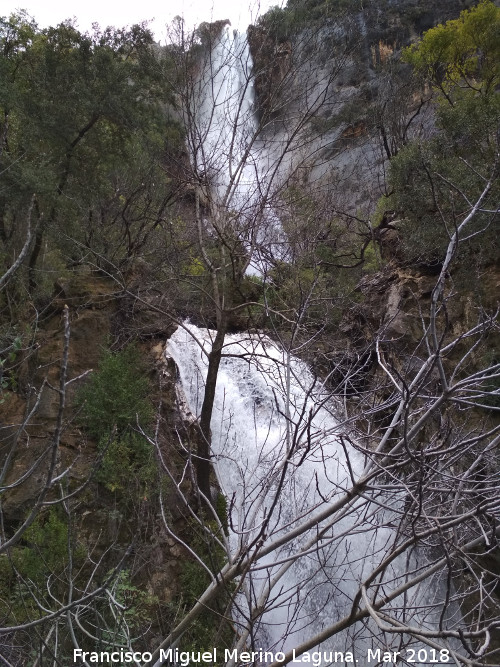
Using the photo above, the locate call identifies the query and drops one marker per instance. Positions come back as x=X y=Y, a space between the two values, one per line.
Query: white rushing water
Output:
x=227 y=151
x=226 y=123
x=277 y=453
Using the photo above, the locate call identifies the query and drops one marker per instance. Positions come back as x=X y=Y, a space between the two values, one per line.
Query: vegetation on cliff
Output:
x=433 y=179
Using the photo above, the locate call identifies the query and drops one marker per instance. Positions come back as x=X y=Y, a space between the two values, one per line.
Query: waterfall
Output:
x=228 y=153
x=278 y=454
x=225 y=121
x=283 y=462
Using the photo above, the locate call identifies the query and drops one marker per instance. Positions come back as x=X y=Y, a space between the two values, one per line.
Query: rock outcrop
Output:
x=338 y=63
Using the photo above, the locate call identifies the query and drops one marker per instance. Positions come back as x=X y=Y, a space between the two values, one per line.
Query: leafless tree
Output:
x=355 y=524
x=38 y=620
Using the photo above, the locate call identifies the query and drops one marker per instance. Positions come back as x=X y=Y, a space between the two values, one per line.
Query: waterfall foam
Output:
x=279 y=457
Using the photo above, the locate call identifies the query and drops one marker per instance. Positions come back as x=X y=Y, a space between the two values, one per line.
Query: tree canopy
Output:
x=462 y=54
x=435 y=180
x=355 y=498
x=83 y=128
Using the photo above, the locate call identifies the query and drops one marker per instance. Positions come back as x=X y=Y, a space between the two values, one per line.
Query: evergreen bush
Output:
x=116 y=396
x=114 y=402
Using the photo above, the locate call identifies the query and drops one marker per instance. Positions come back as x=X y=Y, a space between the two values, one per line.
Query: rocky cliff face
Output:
x=376 y=31
x=344 y=60
x=353 y=62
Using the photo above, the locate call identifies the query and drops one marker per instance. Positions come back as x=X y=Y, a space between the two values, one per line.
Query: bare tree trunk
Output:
x=203 y=465
x=20 y=258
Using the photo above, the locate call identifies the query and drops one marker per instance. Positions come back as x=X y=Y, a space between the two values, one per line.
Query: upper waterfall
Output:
x=233 y=165
x=226 y=122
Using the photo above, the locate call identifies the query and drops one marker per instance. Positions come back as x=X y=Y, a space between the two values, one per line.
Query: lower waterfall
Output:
x=280 y=457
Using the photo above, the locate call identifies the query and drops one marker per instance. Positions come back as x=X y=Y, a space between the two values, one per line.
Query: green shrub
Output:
x=46 y=550
x=127 y=458
x=436 y=182
x=113 y=401
x=116 y=396
x=373 y=261
x=138 y=603
x=430 y=180
x=283 y=22
x=194 y=580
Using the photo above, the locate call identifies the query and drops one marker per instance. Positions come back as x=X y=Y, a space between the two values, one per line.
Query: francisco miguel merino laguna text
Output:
x=175 y=656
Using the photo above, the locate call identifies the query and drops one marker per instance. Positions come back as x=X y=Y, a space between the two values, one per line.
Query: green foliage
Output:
x=384 y=204
x=194 y=579
x=421 y=177
x=279 y=22
x=46 y=550
x=373 y=261
x=128 y=464
x=195 y=267
x=471 y=124
x=116 y=396
x=83 y=126
x=462 y=55
x=42 y=555
x=138 y=603
x=113 y=402
x=283 y=22
x=435 y=181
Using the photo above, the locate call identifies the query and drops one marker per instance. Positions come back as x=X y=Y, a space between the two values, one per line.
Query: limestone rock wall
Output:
x=341 y=61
